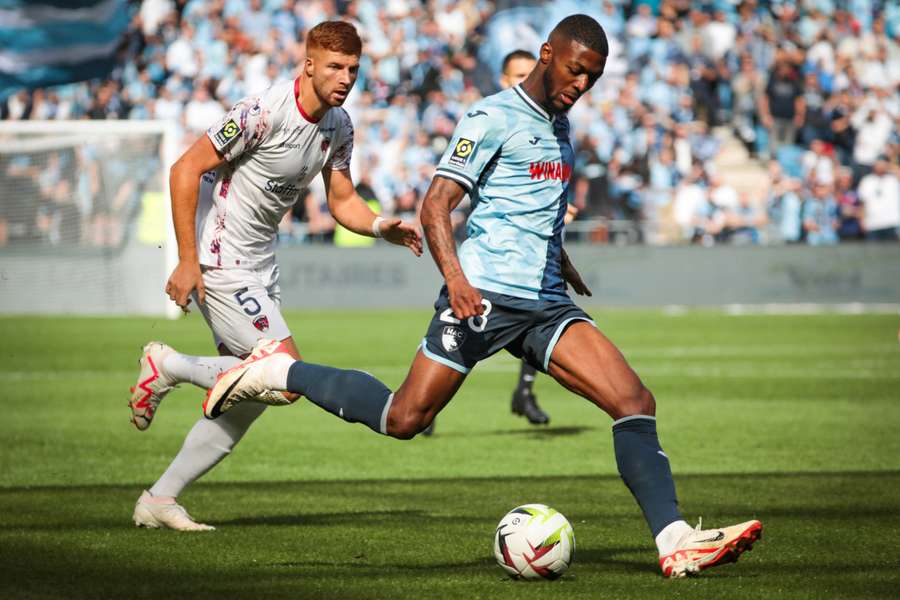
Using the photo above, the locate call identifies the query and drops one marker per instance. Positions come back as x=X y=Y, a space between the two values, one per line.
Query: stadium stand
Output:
x=717 y=122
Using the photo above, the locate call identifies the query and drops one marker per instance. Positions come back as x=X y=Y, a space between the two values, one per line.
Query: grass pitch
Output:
x=792 y=420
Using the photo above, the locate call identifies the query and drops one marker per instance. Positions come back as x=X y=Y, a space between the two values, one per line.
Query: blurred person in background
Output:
x=850 y=208
x=820 y=216
x=879 y=194
x=782 y=107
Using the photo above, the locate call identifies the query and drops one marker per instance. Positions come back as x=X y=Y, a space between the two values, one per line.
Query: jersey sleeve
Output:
x=241 y=129
x=476 y=140
x=340 y=158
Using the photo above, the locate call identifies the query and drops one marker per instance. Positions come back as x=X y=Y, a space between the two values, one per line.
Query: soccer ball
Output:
x=533 y=541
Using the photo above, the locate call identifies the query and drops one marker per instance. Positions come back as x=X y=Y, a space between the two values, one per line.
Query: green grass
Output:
x=792 y=420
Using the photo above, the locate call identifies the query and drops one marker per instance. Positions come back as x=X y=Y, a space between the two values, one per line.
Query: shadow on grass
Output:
x=545 y=432
x=537 y=432
x=335 y=518
x=134 y=488
x=608 y=558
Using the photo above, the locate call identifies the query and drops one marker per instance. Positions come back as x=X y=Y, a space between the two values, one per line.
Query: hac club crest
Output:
x=452 y=338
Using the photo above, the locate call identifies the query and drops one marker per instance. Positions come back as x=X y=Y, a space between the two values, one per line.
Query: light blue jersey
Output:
x=515 y=160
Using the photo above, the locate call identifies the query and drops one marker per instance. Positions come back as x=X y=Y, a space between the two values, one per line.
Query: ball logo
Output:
x=452 y=338
x=261 y=322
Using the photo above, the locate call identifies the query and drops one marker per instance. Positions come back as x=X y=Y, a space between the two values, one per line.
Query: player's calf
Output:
x=352 y=395
x=633 y=399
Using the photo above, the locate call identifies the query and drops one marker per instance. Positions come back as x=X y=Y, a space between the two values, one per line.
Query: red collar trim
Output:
x=299 y=106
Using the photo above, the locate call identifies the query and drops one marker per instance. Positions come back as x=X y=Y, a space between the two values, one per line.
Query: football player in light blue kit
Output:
x=505 y=289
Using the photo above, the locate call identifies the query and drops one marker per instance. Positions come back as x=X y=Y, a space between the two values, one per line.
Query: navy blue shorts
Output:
x=526 y=329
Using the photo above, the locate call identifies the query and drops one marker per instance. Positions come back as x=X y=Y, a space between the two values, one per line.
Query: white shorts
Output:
x=243 y=306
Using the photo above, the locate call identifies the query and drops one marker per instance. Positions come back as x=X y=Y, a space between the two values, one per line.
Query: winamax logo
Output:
x=550 y=170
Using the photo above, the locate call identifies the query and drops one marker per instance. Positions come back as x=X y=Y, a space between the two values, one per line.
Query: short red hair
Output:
x=337 y=36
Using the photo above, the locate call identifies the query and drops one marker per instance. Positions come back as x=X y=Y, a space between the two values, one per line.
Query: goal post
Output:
x=85 y=217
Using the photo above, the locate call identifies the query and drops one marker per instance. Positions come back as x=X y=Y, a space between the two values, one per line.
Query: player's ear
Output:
x=546 y=53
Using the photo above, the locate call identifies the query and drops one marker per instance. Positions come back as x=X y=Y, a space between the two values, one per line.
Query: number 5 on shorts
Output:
x=250 y=305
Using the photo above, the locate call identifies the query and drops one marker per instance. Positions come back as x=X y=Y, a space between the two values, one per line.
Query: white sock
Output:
x=199 y=370
x=668 y=538
x=206 y=444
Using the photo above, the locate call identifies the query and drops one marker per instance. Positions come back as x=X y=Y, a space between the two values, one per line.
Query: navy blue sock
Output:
x=526 y=377
x=352 y=395
x=645 y=469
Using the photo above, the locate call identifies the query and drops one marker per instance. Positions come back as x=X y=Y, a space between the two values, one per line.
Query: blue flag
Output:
x=51 y=42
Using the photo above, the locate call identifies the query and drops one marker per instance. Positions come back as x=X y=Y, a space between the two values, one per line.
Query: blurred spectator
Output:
x=748 y=88
x=743 y=222
x=849 y=206
x=782 y=108
x=784 y=206
x=812 y=84
x=201 y=111
x=820 y=216
x=874 y=127
x=879 y=193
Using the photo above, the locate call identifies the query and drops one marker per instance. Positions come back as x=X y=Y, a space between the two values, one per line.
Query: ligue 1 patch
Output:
x=261 y=322
x=228 y=132
x=461 y=152
x=452 y=338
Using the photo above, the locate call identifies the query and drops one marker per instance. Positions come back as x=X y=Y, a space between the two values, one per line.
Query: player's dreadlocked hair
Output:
x=584 y=30
x=337 y=36
x=514 y=55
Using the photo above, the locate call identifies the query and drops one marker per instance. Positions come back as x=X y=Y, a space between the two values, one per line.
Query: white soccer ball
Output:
x=533 y=541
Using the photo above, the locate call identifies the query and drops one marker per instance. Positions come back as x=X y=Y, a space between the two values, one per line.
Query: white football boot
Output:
x=165 y=516
x=152 y=385
x=249 y=379
x=701 y=549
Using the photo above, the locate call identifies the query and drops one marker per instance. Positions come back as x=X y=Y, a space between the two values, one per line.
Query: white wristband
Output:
x=376 y=226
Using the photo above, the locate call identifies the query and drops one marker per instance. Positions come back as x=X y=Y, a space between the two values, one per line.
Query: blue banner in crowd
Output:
x=51 y=42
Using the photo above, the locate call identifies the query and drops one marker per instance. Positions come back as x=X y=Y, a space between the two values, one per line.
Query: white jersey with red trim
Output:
x=273 y=150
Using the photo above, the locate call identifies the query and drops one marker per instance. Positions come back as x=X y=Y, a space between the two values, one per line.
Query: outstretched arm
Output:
x=572 y=276
x=352 y=212
x=443 y=196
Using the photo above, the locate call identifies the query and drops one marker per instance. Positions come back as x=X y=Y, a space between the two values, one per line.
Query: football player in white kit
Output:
x=229 y=192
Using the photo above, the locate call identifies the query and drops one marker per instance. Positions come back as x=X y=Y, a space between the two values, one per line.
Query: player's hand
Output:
x=403 y=234
x=465 y=300
x=185 y=279
x=573 y=277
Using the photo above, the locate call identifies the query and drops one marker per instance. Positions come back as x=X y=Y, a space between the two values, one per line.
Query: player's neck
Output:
x=309 y=104
x=534 y=87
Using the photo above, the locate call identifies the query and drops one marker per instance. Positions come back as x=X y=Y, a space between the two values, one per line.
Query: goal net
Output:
x=84 y=217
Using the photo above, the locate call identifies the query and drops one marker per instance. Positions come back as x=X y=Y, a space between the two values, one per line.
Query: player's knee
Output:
x=636 y=400
x=405 y=426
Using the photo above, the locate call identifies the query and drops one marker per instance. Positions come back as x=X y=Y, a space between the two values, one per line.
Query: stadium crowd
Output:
x=810 y=88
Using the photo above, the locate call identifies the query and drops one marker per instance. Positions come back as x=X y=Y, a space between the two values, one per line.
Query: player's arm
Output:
x=572 y=276
x=352 y=212
x=443 y=196
x=569 y=272
x=477 y=139
x=184 y=182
